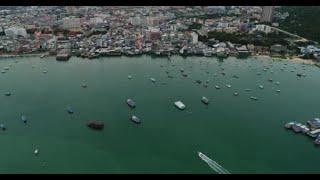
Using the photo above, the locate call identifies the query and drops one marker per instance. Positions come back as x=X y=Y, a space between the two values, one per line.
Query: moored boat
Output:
x=205 y=100
x=95 y=125
x=135 y=119
x=179 y=105
x=131 y=103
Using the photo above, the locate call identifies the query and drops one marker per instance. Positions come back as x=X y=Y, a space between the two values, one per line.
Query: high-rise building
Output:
x=267 y=13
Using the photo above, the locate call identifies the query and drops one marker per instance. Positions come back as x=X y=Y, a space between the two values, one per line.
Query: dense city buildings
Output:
x=267 y=13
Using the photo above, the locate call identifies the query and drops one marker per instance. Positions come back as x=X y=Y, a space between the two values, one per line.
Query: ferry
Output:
x=131 y=103
x=135 y=119
x=253 y=98
x=24 y=118
x=205 y=100
x=179 y=105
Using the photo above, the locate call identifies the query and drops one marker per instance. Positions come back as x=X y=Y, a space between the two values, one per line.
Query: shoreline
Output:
x=294 y=59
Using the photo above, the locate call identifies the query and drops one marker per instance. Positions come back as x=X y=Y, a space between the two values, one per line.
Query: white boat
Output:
x=261 y=87
x=278 y=90
x=129 y=77
x=217 y=87
x=236 y=93
x=179 y=105
x=277 y=83
x=36 y=152
x=228 y=86
x=153 y=80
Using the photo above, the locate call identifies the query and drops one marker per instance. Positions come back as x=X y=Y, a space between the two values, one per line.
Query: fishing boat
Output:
x=179 y=105
x=205 y=100
x=96 y=125
x=131 y=103
x=135 y=119
x=254 y=98
x=70 y=110
x=24 y=118
x=6 y=68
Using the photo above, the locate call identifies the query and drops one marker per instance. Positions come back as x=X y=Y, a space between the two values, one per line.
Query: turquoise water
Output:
x=242 y=135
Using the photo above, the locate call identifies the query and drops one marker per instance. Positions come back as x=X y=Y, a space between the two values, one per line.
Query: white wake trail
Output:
x=214 y=165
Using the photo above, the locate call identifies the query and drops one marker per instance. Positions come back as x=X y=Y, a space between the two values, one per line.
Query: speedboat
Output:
x=277 y=83
x=261 y=87
x=131 y=103
x=217 y=87
x=36 y=152
x=135 y=119
x=228 y=86
x=235 y=93
x=70 y=110
x=129 y=77
x=205 y=100
x=278 y=90
x=24 y=118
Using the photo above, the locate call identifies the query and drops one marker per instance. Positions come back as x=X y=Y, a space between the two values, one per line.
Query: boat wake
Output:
x=214 y=165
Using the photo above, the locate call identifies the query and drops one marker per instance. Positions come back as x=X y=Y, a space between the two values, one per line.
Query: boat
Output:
x=84 y=85
x=317 y=141
x=254 y=98
x=235 y=76
x=129 y=77
x=6 y=68
x=45 y=71
x=24 y=118
x=278 y=90
x=228 y=86
x=198 y=81
x=42 y=56
x=169 y=76
x=261 y=87
x=8 y=93
x=131 y=103
x=265 y=69
x=181 y=70
x=258 y=73
x=296 y=128
x=153 y=80
x=135 y=119
x=205 y=85
x=36 y=152
x=235 y=93
x=247 y=90
x=179 y=105
x=299 y=75
x=184 y=75
x=205 y=100
x=70 y=110
x=277 y=83
x=3 y=127
x=96 y=125
x=289 y=125
x=270 y=80
x=3 y=71
x=217 y=87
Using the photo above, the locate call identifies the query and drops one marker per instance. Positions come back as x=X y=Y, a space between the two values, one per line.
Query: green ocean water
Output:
x=242 y=135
